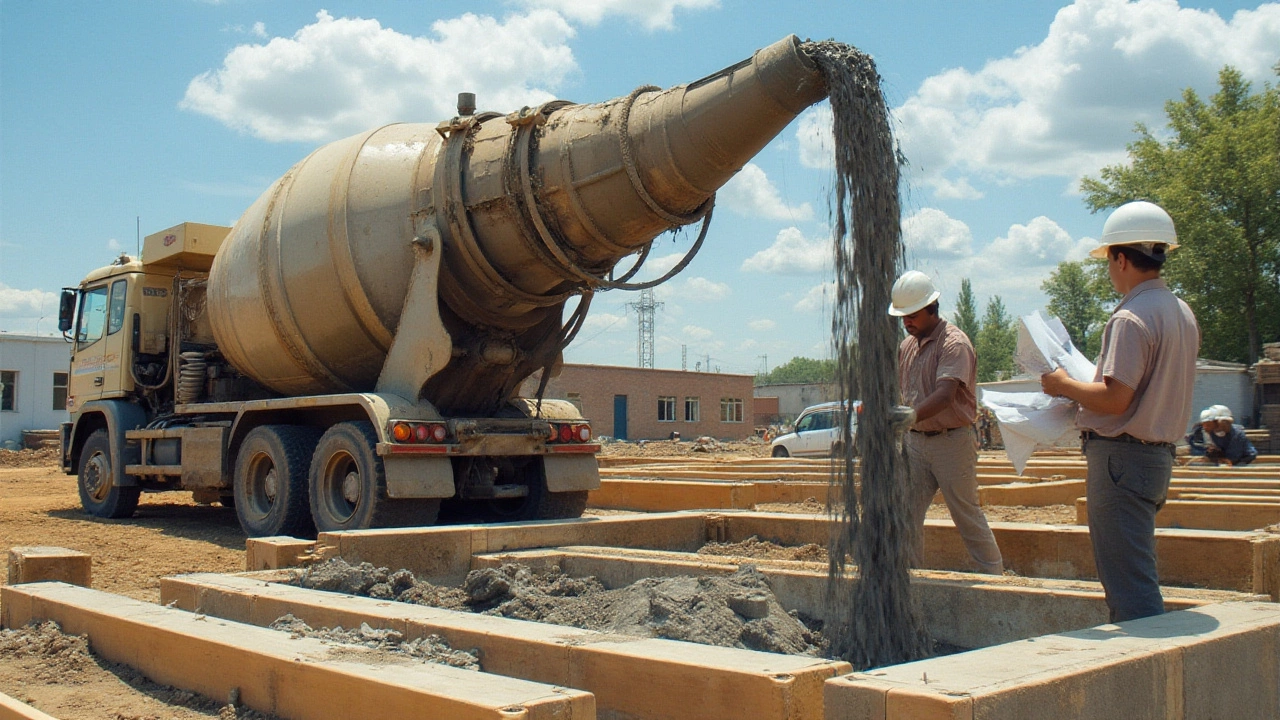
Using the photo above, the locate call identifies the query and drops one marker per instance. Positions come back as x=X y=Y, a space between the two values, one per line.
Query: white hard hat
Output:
x=1209 y=414
x=1222 y=412
x=1142 y=225
x=913 y=291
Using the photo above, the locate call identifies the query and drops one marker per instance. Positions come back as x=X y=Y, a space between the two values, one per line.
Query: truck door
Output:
x=115 y=347
x=87 y=378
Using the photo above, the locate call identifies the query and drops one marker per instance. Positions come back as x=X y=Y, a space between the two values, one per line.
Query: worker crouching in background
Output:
x=1135 y=408
x=937 y=370
x=1220 y=440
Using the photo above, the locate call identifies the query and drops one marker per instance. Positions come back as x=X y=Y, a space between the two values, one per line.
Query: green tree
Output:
x=996 y=342
x=1218 y=176
x=1079 y=293
x=800 y=370
x=966 y=315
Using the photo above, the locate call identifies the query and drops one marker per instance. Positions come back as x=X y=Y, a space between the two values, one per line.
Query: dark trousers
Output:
x=1126 y=486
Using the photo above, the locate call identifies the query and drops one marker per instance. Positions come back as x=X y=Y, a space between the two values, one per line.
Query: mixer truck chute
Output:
x=348 y=354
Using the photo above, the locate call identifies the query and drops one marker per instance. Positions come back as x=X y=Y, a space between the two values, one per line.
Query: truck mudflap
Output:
x=569 y=472
x=417 y=475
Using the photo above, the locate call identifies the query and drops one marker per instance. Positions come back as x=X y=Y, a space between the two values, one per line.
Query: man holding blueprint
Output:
x=1135 y=408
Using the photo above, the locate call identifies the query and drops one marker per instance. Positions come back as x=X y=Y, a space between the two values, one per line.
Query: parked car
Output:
x=817 y=431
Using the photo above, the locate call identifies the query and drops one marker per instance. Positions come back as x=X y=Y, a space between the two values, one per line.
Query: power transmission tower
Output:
x=645 y=309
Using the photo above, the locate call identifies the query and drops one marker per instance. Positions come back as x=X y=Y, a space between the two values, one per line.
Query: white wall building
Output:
x=33 y=373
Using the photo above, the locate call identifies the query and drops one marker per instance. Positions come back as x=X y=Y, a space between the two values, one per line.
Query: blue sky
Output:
x=120 y=114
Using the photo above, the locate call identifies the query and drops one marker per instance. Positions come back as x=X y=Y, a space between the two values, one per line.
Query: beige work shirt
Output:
x=944 y=353
x=1149 y=344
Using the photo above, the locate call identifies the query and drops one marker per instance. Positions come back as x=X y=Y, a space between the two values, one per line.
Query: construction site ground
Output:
x=173 y=535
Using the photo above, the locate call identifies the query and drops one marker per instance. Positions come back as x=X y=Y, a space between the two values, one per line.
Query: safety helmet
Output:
x=913 y=291
x=1209 y=414
x=1144 y=226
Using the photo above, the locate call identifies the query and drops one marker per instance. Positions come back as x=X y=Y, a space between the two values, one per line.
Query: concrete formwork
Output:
x=1216 y=661
x=274 y=672
x=1025 y=670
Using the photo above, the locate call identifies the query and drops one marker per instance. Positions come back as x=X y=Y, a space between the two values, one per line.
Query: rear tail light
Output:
x=416 y=432
x=566 y=433
x=402 y=432
x=583 y=432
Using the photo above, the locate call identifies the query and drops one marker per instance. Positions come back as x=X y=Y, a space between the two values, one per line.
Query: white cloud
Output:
x=693 y=332
x=932 y=233
x=751 y=193
x=652 y=14
x=601 y=322
x=817 y=299
x=762 y=324
x=1012 y=266
x=813 y=131
x=959 y=189
x=1041 y=242
x=339 y=76
x=700 y=289
x=1066 y=106
x=791 y=254
x=15 y=303
x=114 y=245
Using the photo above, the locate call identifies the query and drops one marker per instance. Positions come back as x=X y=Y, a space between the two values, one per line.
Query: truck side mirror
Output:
x=66 y=310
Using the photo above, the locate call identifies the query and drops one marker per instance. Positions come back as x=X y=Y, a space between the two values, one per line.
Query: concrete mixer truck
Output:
x=348 y=354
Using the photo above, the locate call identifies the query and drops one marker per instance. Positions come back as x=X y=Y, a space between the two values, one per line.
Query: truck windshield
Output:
x=93 y=316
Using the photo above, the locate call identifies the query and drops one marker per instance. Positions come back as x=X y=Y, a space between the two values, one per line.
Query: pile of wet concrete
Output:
x=737 y=610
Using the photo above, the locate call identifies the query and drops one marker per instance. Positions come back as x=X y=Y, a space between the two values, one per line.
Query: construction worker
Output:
x=1135 y=408
x=937 y=372
x=1219 y=439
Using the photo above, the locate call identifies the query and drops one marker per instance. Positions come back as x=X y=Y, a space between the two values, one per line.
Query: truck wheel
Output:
x=540 y=503
x=781 y=452
x=270 y=481
x=99 y=495
x=349 y=485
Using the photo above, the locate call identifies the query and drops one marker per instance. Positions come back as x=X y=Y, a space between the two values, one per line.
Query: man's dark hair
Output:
x=1137 y=258
x=932 y=308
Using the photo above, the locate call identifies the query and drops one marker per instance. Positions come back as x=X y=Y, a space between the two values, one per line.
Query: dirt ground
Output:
x=171 y=534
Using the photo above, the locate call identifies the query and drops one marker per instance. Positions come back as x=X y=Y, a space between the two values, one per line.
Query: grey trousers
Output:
x=1126 y=486
x=949 y=462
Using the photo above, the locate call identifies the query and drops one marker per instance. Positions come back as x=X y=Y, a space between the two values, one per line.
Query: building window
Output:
x=666 y=409
x=575 y=398
x=59 y=391
x=8 y=390
x=731 y=410
x=692 y=410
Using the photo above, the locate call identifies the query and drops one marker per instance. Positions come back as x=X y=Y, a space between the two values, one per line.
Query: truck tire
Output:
x=540 y=503
x=349 y=486
x=99 y=495
x=270 y=481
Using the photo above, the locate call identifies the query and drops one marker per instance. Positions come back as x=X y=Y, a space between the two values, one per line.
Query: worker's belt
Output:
x=933 y=433
x=1088 y=435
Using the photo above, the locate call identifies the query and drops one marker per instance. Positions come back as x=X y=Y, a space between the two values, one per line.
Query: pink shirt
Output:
x=944 y=353
x=1149 y=344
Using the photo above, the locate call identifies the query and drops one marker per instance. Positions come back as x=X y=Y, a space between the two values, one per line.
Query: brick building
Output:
x=645 y=404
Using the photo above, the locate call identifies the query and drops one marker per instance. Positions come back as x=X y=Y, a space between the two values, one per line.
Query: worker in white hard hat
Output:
x=1220 y=440
x=937 y=372
x=1136 y=407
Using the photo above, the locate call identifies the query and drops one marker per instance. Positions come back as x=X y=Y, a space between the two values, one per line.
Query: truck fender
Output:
x=120 y=416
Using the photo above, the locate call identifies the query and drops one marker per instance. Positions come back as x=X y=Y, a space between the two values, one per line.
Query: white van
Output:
x=817 y=431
